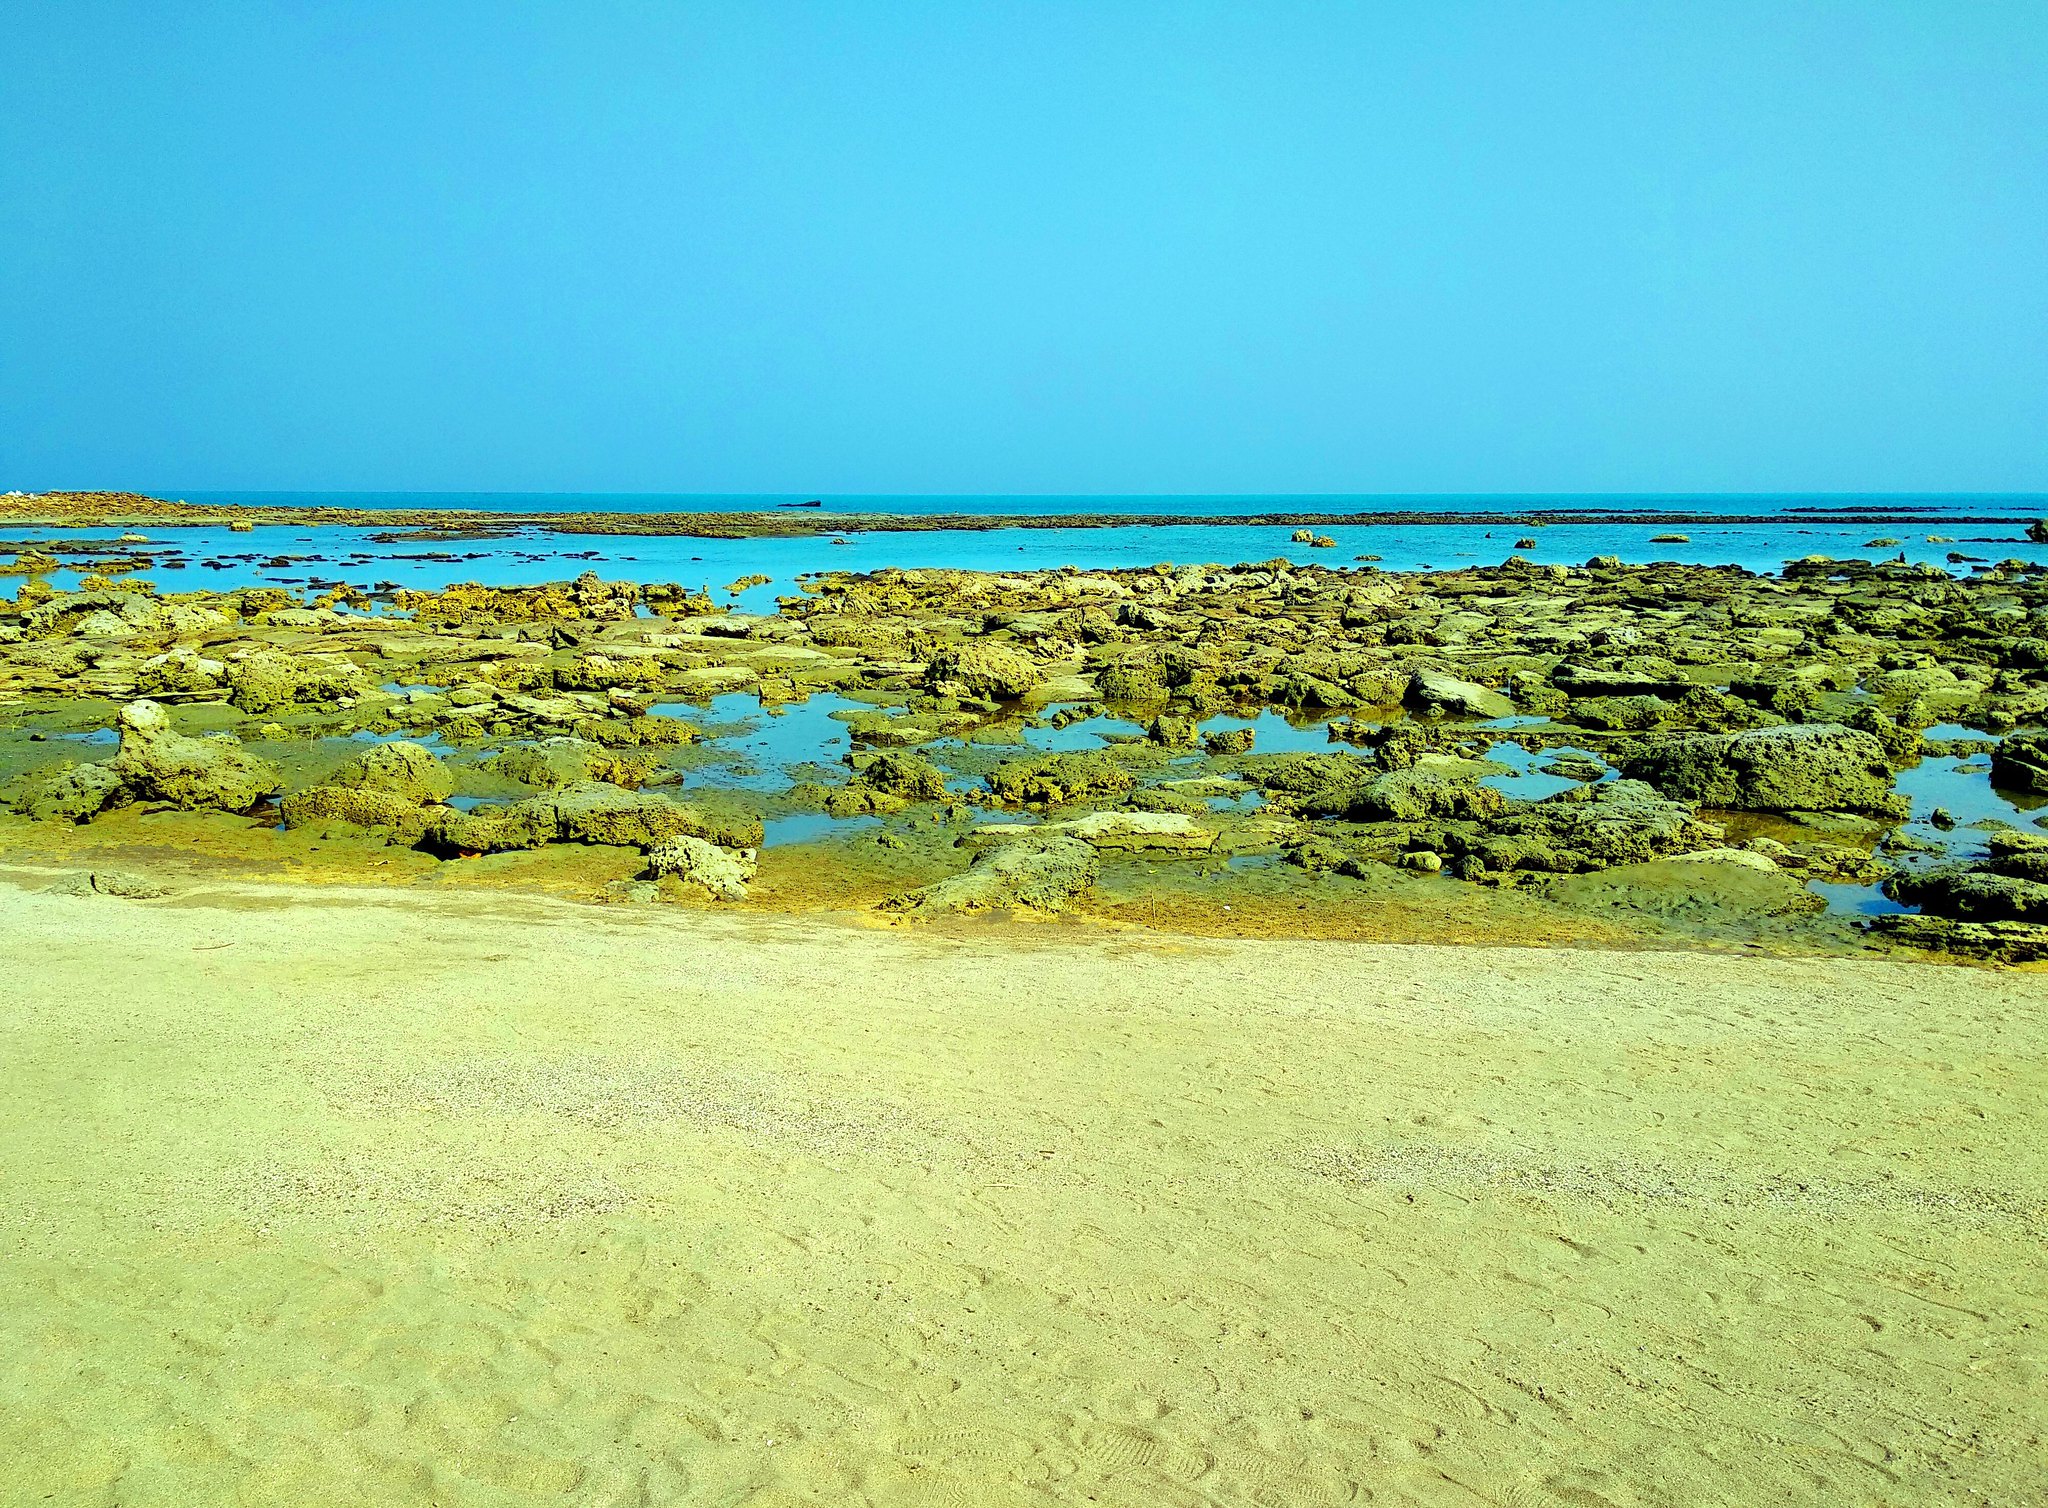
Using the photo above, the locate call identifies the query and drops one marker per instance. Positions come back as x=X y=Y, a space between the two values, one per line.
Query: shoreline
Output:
x=135 y=510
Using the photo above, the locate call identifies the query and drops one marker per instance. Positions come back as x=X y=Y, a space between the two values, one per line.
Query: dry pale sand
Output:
x=360 y=1198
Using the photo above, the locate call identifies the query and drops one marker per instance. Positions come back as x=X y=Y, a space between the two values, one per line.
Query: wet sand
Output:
x=367 y=1196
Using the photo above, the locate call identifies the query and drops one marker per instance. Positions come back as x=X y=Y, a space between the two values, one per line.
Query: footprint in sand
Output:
x=1123 y=1447
x=516 y=1471
x=327 y=1410
x=941 y=1447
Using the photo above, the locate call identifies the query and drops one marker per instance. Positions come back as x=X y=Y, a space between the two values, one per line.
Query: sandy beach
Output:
x=355 y=1197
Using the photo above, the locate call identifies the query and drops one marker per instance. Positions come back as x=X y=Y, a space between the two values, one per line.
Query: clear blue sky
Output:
x=1025 y=248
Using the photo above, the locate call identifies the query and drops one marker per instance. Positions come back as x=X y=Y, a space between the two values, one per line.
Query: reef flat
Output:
x=1836 y=756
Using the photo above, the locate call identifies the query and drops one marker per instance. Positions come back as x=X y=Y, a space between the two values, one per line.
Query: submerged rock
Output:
x=195 y=773
x=722 y=873
x=1046 y=874
x=1810 y=767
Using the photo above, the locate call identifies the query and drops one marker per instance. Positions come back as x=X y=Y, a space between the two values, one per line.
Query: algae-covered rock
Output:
x=492 y=829
x=115 y=882
x=906 y=775
x=1160 y=799
x=1972 y=894
x=2020 y=762
x=1810 y=767
x=1137 y=680
x=597 y=813
x=1329 y=778
x=1122 y=831
x=401 y=767
x=1586 y=828
x=1699 y=897
x=1046 y=874
x=883 y=730
x=195 y=773
x=390 y=786
x=1057 y=779
x=1623 y=714
x=646 y=730
x=1991 y=942
x=266 y=681
x=73 y=793
x=317 y=806
x=989 y=671
x=1228 y=741
x=558 y=762
x=722 y=873
x=592 y=812
x=179 y=672
x=1348 y=786
x=1434 y=787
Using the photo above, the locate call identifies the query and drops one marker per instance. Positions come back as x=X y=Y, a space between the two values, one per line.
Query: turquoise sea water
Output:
x=1928 y=530
x=1776 y=504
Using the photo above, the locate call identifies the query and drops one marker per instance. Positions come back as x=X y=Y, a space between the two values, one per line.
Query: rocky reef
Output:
x=1682 y=711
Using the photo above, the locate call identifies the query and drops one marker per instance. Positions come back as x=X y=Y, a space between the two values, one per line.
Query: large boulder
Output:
x=722 y=873
x=558 y=762
x=401 y=767
x=2020 y=762
x=1046 y=874
x=1810 y=767
x=195 y=773
x=990 y=672
x=266 y=681
x=1444 y=694
x=1972 y=895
